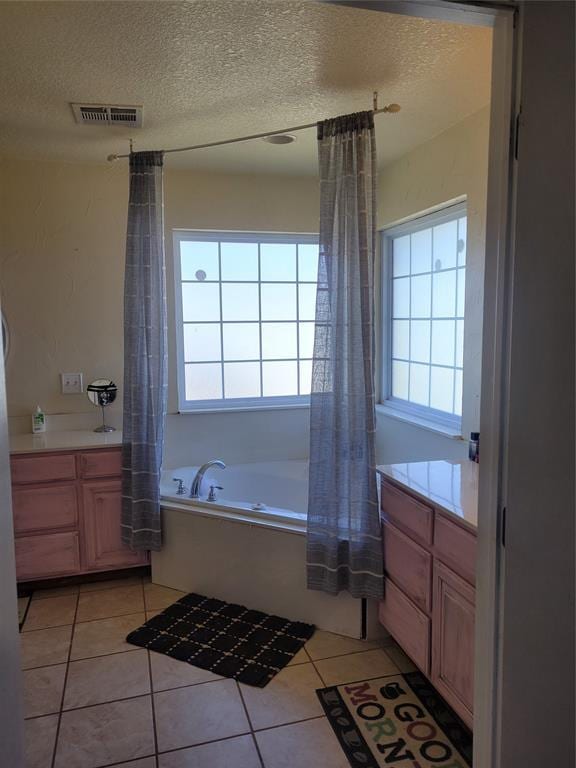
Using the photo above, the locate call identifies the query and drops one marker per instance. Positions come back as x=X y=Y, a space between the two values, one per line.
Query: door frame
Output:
x=11 y=689
x=502 y=17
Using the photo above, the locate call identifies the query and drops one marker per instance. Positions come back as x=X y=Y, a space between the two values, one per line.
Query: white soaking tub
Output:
x=249 y=546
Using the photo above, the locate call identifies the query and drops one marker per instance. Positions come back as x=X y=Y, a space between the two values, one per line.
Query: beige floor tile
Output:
x=40 y=594
x=145 y=762
x=299 y=658
x=97 y=586
x=288 y=697
x=171 y=673
x=43 y=690
x=356 y=666
x=207 y=712
x=301 y=745
x=39 y=739
x=107 y=678
x=109 y=602
x=98 y=638
x=151 y=614
x=44 y=647
x=403 y=662
x=158 y=597
x=53 y=612
x=107 y=733
x=239 y=752
x=323 y=645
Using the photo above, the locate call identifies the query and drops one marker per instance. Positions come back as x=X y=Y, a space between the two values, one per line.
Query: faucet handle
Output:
x=212 y=495
x=181 y=490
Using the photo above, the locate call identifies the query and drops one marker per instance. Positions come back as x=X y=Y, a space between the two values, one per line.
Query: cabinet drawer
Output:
x=413 y=517
x=43 y=469
x=407 y=624
x=409 y=565
x=51 y=554
x=101 y=464
x=456 y=547
x=46 y=507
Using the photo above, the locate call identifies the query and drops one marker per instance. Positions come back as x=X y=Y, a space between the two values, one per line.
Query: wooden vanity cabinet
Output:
x=66 y=508
x=428 y=606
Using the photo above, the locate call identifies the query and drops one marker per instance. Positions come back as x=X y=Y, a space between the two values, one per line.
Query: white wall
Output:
x=448 y=167
x=254 y=203
x=62 y=267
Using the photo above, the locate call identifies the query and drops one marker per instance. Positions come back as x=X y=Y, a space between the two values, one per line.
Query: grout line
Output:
x=123 y=763
x=123 y=698
x=151 y=681
x=318 y=673
x=250 y=723
x=292 y=722
x=91 y=706
x=42 y=629
x=86 y=658
x=201 y=744
x=349 y=653
x=57 y=736
x=257 y=748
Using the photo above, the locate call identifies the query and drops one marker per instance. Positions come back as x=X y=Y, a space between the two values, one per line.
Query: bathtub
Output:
x=249 y=546
x=273 y=492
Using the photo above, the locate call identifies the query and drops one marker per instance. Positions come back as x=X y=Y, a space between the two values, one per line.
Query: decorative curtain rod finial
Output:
x=391 y=108
x=112 y=158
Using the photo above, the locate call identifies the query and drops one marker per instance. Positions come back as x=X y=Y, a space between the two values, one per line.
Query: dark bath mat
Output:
x=227 y=639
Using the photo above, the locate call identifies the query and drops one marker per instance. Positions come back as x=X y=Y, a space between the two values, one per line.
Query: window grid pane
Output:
x=255 y=349
x=427 y=310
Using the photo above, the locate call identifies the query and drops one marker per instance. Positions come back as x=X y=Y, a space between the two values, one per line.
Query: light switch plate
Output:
x=71 y=383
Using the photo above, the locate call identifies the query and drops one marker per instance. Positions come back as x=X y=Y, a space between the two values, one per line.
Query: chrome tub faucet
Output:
x=197 y=482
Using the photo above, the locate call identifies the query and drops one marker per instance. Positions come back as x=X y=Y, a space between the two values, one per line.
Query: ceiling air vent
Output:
x=106 y=114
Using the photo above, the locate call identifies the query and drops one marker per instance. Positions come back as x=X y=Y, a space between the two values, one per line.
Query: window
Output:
x=424 y=271
x=245 y=309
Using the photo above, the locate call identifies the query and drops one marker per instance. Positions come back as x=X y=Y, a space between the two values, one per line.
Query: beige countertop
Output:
x=71 y=440
x=451 y=486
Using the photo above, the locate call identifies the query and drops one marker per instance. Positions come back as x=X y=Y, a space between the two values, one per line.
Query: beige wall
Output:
x=62 y=233
x=62 y=236
x=449 y=167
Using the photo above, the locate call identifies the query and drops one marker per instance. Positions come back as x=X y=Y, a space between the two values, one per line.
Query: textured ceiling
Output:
x=212 y=69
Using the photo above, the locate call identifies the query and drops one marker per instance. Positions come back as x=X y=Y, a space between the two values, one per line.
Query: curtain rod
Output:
x=390 y=108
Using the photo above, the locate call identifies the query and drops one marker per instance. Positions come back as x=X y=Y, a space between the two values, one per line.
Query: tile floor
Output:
x=92 y=700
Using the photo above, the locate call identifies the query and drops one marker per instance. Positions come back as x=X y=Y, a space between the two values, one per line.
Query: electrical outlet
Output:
x=71 y=383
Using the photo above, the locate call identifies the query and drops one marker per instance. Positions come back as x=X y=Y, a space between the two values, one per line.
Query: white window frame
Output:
x=450 y=424
x=228 y=404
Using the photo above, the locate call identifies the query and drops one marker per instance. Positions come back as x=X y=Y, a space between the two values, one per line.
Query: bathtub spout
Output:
x=197 y=482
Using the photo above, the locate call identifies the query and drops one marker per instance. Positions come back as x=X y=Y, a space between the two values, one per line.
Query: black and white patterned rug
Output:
x=227 y=639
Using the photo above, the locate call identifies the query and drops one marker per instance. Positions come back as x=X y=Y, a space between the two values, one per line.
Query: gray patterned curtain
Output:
x=145 y=361
x=344 y=546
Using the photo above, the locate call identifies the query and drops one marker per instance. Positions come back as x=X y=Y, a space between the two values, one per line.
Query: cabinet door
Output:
x=102 y=542
x=453 y=640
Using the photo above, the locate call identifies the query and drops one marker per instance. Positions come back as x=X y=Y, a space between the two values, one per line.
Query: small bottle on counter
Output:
x=474 y=447
x=38 y=421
